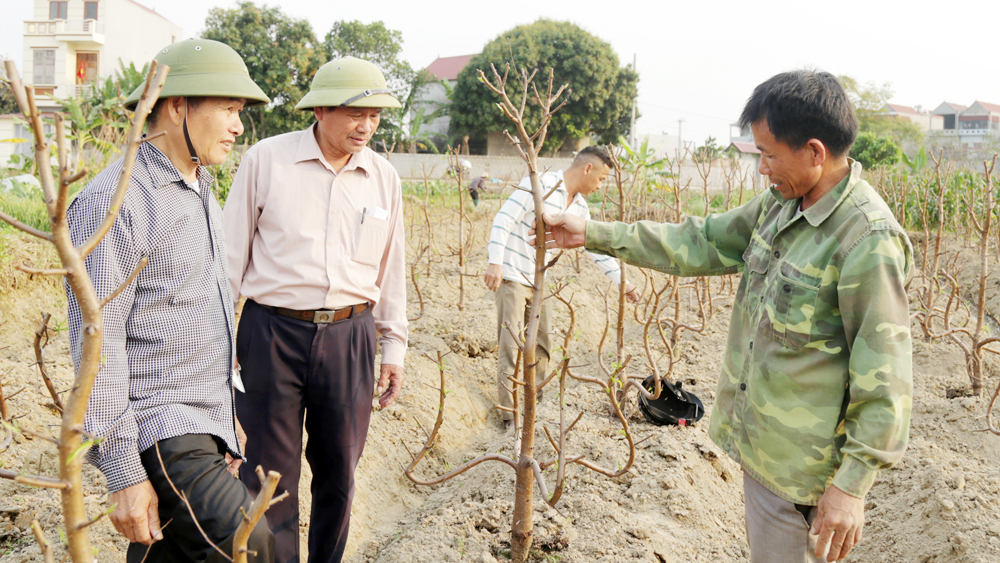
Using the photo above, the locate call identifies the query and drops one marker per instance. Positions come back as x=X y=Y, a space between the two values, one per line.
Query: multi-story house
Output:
x=979 y=124
x=69 y=44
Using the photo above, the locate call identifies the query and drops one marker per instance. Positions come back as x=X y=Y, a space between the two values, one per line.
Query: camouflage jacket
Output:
x=816 y=383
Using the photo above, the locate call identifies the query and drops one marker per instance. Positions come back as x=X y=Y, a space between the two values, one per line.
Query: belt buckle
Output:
x=323 y=317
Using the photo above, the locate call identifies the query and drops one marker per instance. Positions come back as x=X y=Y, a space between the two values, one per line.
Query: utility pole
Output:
x=680 y=142
x=634 y=102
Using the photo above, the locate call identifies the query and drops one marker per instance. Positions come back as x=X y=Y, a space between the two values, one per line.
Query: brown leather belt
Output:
x=321 y=316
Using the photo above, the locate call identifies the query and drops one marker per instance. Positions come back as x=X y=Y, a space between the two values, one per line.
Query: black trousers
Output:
x=197 y=466
x=323 y=374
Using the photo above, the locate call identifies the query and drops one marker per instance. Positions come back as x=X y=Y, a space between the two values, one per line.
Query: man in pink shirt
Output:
x=314 y=231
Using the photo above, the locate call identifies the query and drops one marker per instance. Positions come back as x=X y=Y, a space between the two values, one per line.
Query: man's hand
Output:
x=494 y=274
x=564 y=231
x=840 y=519
x=390 y=384
x=632 y=293
x=136 y=513
x=234 y=463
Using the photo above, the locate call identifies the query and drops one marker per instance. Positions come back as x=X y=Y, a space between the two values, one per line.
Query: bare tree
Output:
x=70 y=442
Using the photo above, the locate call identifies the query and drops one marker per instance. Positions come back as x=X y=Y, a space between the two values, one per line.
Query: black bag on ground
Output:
x=674 y=406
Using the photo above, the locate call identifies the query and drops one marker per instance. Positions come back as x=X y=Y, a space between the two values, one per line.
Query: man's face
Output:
x=214 y=126
x=594 y=177
x=793 y=172
x=346 y=131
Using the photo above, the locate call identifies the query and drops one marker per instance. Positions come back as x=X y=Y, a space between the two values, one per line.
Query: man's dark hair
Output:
x=802 y=105
x=591 y=154
x=154 y=114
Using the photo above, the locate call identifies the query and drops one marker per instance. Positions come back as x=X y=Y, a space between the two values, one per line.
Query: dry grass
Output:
x=24 y=297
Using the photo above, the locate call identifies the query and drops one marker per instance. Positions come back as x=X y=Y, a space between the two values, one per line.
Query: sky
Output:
x=697 y=61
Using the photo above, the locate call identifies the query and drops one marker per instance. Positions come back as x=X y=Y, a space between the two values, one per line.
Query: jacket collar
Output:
x=828 y=203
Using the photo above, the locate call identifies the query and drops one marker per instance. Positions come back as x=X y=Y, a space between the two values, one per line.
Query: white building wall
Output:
x=125 y=31
x=432 y=97
x=133 y=34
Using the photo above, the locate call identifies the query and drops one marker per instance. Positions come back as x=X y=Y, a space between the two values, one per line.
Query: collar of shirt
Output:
x=551 y=179
x=309 y=150
x=163 y=172
x=826 y=204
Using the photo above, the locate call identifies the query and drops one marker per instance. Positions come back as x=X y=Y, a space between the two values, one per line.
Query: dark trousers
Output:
x=197 y=466
x=323 y=374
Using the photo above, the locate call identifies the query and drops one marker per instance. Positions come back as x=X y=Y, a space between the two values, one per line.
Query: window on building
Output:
x=90 y=10
x=86 y=68
x=57 y=10
x=44 y=66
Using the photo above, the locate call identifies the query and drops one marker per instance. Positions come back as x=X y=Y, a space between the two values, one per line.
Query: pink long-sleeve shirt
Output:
x=301 y=236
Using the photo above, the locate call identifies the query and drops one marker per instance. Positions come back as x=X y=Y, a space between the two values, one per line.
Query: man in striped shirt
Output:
x=512 y=259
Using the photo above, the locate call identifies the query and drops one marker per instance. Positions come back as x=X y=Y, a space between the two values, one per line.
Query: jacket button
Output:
x=786 y=288
x=751 y=344
x=743 y=386
x=777 y=254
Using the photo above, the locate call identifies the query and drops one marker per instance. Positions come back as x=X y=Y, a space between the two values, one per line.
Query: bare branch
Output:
x=25 y=228
x=256 y=512
x=44 y=545
x=37 y=272
x=154 y=82
x=34 y=481
x=138 y=268
x=43 y=331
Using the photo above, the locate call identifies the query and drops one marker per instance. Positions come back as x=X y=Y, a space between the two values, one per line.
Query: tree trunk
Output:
x=522 y=525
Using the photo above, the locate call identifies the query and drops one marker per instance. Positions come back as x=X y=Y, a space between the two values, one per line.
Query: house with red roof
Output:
x=926 y=120
x=980 y=123
x=434 y=95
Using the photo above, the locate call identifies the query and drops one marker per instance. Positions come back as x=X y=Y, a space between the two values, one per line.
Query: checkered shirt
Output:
x=168 y=337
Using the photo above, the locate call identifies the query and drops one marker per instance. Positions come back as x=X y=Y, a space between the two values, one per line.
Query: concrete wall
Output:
x=509 y=169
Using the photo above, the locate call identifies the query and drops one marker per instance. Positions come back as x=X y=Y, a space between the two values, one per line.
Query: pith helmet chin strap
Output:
x=187 y=136
x=364 y=94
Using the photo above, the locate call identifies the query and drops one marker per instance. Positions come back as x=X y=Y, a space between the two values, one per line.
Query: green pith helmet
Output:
x=202 y=67
x=348 y=82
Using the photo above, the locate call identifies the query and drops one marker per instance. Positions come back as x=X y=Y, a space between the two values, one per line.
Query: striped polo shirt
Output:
x=509 y=236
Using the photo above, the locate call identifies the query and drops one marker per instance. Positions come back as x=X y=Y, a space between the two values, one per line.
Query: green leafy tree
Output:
x=709 y=151
x=873 y=150
x=869 y=100
x=282 y=55
x=7 y=102
x=600 y=103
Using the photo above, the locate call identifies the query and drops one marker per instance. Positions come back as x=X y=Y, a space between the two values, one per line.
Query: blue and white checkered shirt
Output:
x=168 y=345
x=509 y=235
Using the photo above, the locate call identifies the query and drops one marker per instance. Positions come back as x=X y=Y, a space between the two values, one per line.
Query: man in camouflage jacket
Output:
x=815 y=391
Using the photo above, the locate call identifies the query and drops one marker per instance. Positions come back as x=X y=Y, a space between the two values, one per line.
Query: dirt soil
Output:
x=680 y=502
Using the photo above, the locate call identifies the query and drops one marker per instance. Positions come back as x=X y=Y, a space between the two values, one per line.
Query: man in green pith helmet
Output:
x=314 y=228
x=166 y=376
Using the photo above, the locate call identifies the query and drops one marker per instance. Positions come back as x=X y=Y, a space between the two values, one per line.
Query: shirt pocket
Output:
x=795 y=306
x=372 y=234
x=757 y=258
